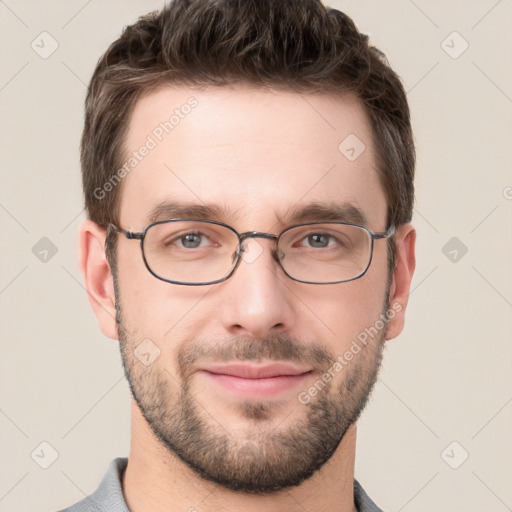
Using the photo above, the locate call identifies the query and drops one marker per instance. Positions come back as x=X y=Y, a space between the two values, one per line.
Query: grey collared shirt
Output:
x=109 y=497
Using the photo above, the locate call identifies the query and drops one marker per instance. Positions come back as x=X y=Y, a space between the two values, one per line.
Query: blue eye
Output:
x=318 y=240
x=191 y=240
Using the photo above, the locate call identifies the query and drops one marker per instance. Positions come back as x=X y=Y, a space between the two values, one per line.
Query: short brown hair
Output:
x=299 y=45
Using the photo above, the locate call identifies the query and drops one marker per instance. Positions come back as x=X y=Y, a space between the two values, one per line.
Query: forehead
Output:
x=253 y=155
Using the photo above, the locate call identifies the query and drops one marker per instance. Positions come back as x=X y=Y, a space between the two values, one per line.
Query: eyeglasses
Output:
x=200 y=252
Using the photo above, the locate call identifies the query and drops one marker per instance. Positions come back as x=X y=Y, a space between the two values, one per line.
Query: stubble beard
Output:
x=264 y=458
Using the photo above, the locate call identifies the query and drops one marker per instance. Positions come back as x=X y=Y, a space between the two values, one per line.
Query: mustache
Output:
x=245 y=348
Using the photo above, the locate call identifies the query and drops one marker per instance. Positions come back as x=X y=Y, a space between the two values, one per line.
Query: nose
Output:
x=258 y=300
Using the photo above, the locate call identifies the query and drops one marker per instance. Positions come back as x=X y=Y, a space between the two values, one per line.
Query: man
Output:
x=248 y=176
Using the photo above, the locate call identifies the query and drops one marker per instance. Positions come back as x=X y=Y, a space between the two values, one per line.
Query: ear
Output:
x=405 y=240
x=97 y=276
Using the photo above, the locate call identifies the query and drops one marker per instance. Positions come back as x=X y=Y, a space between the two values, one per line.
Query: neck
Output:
x=156 y=480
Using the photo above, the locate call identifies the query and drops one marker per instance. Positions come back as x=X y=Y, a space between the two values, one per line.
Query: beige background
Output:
x=446 y=378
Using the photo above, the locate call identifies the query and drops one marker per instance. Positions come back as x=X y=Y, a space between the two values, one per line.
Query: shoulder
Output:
x=363 y=502
x=109 y=495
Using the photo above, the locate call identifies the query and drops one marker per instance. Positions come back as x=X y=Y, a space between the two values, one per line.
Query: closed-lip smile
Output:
x=248 y=371
x=256 y=380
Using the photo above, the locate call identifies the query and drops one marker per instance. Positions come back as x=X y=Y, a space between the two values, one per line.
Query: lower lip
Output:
x=268 y=387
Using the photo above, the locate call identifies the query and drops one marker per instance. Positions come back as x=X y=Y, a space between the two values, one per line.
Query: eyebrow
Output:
x=184 y=210
x=298 y=214
x=324 y=212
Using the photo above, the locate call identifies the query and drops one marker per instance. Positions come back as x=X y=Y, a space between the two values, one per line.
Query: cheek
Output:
x=345 y=311
x=157 y=310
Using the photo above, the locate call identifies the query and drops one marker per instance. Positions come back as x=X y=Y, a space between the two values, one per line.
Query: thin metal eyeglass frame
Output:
x=131 y=235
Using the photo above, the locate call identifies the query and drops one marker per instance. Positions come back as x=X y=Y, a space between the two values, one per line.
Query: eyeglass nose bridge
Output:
x=255 y=234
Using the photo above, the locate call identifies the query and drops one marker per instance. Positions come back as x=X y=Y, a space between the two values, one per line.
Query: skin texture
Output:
x=256 y=154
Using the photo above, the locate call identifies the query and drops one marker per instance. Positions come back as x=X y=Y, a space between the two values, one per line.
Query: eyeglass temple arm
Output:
x=128 y=234
x=390 y=232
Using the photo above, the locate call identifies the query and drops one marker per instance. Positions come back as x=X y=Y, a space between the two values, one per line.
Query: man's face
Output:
x=216 y=396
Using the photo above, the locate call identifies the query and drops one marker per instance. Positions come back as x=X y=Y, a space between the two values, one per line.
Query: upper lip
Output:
x=251 y=371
